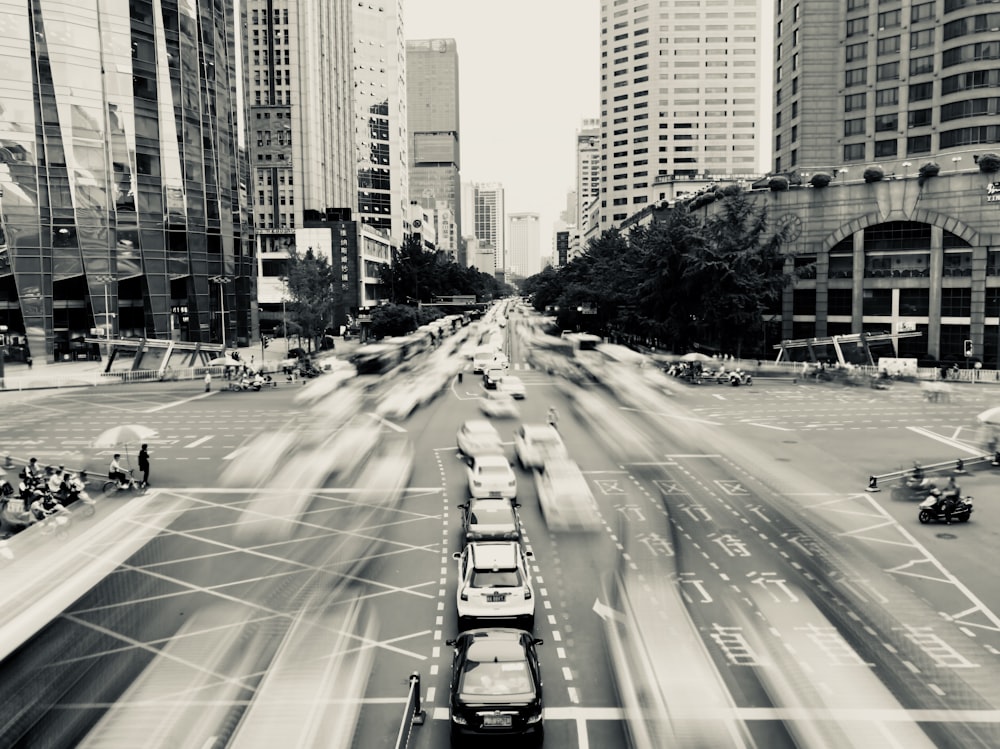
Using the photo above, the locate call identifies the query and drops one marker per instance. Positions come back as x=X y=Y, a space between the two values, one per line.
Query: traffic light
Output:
x=968 y=348
x=266 y=340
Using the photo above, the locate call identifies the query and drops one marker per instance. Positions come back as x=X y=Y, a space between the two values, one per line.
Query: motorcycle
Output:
x=913 y=488
x=932 y=509
x=739 y=377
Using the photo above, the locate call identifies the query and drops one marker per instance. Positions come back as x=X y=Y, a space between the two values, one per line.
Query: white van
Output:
x=482 y=358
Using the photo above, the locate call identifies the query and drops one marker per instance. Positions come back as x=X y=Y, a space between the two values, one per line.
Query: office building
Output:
x=588 y=170
x=381 y=143
x=301 y=129
x=883 y=83
x=523 y=245
x=123 y=175
x=488 y=222
x=683 y=92
x=433 y=131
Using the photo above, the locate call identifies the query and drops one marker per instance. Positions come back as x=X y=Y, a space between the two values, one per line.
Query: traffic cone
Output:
x=8 y=463
x=873 y=484
x=960 y=467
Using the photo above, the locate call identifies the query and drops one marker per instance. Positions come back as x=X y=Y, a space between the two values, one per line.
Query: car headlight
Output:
x=456 y=718
x=511 y=483
x=535 y=718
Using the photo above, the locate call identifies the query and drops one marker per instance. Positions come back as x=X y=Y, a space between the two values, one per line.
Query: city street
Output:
x=753 y=502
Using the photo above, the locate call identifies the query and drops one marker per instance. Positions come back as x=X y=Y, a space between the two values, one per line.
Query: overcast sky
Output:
x=528 y=74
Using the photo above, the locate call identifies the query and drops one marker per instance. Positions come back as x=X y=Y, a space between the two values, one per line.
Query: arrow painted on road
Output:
x=606 y=612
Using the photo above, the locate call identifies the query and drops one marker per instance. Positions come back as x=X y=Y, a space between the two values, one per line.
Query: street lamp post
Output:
x=222 y=281
x=107 y=279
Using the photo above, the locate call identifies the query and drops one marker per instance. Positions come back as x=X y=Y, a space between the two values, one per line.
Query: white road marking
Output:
x=953 y=443
x=178 y=403
x=200 y=441
x=769 y=426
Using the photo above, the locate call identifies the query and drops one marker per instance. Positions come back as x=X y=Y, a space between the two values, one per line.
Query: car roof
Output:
x=493 y=555
x=499 y=644
x=540 y=430
x=492 y=459
x=490 y=504
x=479 y=425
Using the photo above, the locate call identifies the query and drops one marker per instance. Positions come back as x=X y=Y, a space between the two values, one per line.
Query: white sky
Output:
x=529 y=73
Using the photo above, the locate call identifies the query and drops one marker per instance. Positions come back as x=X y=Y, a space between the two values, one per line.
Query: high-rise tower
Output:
x=433 y=130
x=488 y=219
x=681 y=95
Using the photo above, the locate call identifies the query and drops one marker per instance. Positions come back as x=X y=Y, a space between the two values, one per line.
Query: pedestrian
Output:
x=27 y=360
x=208 y=381
x=144 y=464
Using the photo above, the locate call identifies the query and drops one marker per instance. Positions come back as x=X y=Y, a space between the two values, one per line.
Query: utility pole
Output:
x=222 y=281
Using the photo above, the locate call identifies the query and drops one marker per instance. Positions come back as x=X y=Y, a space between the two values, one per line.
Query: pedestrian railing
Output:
x=413 y=715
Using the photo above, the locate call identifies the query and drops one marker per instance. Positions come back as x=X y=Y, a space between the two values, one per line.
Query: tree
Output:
x=419 y=275
x=313 y=290
x=393 y=319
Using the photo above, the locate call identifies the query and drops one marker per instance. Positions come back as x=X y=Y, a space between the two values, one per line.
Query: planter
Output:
x=821 y=179
x=778 y=184
x=928 y=170
x=874 y=174
x=989 y=163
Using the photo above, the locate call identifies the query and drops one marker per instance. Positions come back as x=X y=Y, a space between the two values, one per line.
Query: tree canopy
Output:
x=314 y=293
x=682 y=280
x=418 y=275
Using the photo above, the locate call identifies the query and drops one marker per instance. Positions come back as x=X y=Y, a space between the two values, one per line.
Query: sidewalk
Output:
x=18 y=376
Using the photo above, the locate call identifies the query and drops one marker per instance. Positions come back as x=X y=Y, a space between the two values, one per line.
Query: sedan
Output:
x=496 y=685
x=536 y=443
x=490 y=520
x=497 y=404
x=513 y=385
x=565 y=498
x=492 y=476
x=494 y=585
x=478 y=437
x=491 y=380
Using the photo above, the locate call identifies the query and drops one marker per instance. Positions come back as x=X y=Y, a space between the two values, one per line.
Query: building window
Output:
x=921 y=91
x=854 y=127
x=840 y=302
x=857 y=26
x=856 y=52
x=856 y=77
x=920 y=65
x=886 y=97
x=920 y=39
x=854 y=102
x=877 y=303
x=854 y=151
x=885 y=123
x=918 y=144
x=887 y=72
x=890 y=19
x=856 y=5
x=888 y=46
x=955 y=302
x=921 y=12
x=914 y=302
x=885 y=148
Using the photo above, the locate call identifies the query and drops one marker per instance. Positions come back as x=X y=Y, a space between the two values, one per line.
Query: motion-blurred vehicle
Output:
x=935 y=509
x=490 y=520
x=496 y=685
x=400 y=402
x=497 y=404
x=494 y=585
x=482 y=358
x=492 y=377
x=512 y=385
x=565 y=498
x=536 y=443
x=491 y=476
x=478 y=437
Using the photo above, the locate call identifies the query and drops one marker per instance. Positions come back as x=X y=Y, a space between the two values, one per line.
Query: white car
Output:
x=494 y=586
x=491 y=476
x=478 y=437
x=492 y=378
x=513 y=385
x=498 y=404
x=565 y=498
x=400 y=402
x=536 y=443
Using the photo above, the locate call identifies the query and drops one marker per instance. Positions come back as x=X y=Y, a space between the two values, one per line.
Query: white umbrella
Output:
x=990 y=416
x=122 y=435
x=224 y=361
x=696 y=356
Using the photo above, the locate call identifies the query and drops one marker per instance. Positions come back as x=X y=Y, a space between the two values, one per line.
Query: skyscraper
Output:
x=433 y=130
x=682 y=93
x=302 y=127
x=523 y=245
x=588 y=169
x=882 y=84
x=488 y=220
x=123 y=173
x=380 y=116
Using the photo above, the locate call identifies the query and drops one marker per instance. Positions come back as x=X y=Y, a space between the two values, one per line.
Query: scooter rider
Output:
x=116 y=472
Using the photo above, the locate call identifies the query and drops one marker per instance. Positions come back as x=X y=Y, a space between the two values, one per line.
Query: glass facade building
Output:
x=122 y=173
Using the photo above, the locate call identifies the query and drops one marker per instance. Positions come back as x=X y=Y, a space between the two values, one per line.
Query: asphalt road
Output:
x=753 y=502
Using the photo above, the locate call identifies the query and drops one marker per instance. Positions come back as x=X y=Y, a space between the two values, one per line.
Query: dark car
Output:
x=490 y=519
x=496 y=685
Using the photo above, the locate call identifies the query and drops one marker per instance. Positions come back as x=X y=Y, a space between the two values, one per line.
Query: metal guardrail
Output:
x=413 y=715
x=954 y=466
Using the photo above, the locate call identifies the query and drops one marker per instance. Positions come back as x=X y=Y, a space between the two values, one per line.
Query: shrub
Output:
x=778 y=183
x=821 y=179
x=729 y=190
x=874 y=174
x=989 y=163
x=928 y=170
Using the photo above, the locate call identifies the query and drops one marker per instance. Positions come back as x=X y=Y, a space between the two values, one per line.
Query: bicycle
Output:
x=114 y=485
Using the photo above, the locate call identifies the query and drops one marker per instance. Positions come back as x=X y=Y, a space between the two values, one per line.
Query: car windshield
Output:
x=490 y=515
x=495 y=677
x=494 y=471
x=496 y=579
x=545 y=440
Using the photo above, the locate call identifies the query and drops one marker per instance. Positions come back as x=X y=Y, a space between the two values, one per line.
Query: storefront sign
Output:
x=993 y=192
